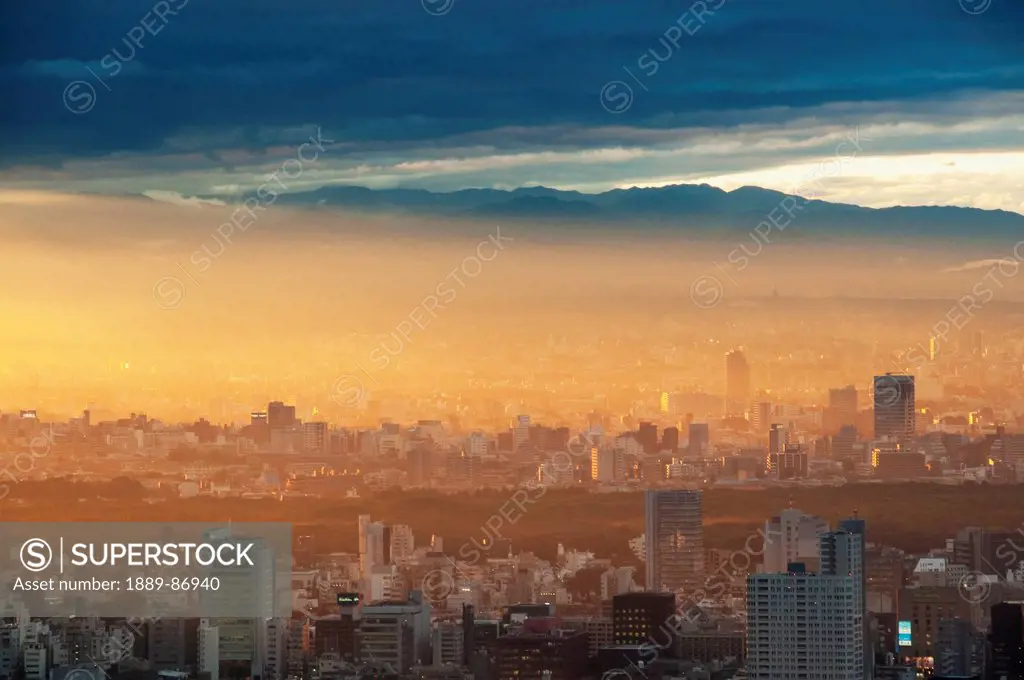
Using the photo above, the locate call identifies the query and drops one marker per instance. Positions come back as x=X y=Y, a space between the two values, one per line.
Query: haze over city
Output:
x=480 y=340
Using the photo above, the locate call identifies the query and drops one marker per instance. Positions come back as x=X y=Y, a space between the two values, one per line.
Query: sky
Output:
x=180 y=99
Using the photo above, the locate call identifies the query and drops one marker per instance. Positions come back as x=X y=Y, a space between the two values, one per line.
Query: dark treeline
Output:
x=912 y=516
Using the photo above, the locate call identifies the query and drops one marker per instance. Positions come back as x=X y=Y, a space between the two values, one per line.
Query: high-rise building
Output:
x=541 y=652
x=520 y=432
x=987 y=551
x=1007 y=641
x=958 y=650
x=895 y=404
x=842 y=554
x=396 y=635
x=844 y=403
x=699 y=439
x=315 y=438
x=644 y=618
x=925 y=607
x=602 y=464
x=674 y=540
x=169 y=641
x=448 y=643
x=761 y=415
x=372 y=545
x=647 y=436
x=670 y=439
x=737 y=383
x=792 y=536
x=402 y=543
x=778 y=437
x=419 y=464
x=280 y=415
x=790 y=463
x=803 y=625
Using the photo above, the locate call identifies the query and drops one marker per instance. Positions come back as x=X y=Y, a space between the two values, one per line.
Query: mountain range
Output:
x=681 y=205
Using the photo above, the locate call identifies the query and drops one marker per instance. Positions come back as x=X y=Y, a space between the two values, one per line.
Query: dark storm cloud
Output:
x=223 y=74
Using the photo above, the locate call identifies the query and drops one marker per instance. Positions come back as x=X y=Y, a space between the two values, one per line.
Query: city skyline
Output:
x=494 y=340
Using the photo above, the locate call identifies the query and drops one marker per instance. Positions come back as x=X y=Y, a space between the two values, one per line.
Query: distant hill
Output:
x=680 y=205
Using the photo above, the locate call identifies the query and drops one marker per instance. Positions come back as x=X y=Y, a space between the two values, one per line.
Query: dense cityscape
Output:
x=511 y=340
x=801 y=592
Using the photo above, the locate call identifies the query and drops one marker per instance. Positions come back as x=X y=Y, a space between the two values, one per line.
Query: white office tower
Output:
x=384 y=583
x=674 y=540
x=402 y=543
x=364 y=522
x=803 y=626
x=275 y=649
x=371 y=545
x=842 y=554
x=792 y=536
x=237 y=645
x=520 y=432
x=396 y=635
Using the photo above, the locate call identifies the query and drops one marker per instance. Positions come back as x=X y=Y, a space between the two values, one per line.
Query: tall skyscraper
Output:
x=761 y=415
x=792 y=536
x=373 y=545
x=737 y=383
x=1007 y=640
x=803 y=625
x=674 y=539
x=670 y=439
x=844 y=404
x=520 y=432
x=895 y=405
x=699 y=439
x=778 y=437
x=647 y=436
x=403 y=545
x=843 y=553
